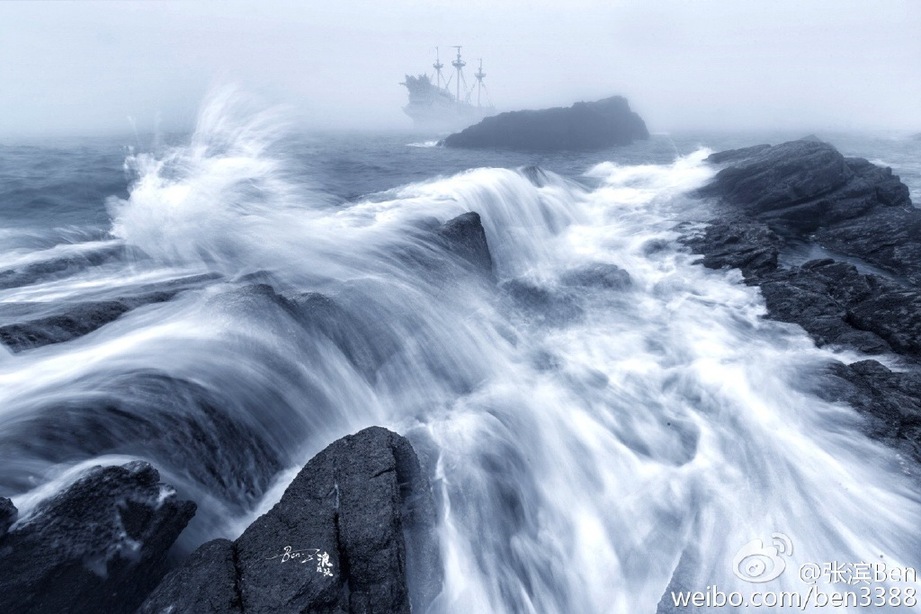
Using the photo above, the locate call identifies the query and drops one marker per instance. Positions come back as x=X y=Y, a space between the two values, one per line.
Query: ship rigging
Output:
x=433 y=104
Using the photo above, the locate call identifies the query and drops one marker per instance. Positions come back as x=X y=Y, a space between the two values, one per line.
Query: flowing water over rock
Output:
x=592 y=411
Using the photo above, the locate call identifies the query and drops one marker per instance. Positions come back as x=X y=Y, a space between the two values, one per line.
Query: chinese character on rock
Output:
x=324 y=566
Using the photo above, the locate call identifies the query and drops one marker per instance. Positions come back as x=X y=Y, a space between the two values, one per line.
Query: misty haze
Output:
x=85 y=67
x=460 y=308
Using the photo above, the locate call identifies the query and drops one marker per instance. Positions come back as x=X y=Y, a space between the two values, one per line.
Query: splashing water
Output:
x=587 y=432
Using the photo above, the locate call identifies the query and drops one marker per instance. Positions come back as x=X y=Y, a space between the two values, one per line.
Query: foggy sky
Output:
x=86 y=67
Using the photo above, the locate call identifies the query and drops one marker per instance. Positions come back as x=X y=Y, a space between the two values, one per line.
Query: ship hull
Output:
x=433 y=107
x=445 y=118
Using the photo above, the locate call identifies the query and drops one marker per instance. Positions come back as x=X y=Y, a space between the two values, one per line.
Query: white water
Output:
x=575 y=455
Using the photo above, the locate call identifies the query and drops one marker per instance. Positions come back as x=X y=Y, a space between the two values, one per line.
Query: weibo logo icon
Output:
x=755 y=562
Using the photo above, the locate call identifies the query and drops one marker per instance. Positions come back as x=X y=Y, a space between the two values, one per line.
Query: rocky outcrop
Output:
x=100 y=545
x=866 y=297
x=807 y=190
x=584 y=126
x=465 y=237
x=354 y=532
x=8 y=515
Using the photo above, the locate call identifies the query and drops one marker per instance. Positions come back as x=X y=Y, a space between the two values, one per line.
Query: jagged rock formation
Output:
x=350 y=534
x=465 y=237
x=584 y=126
x=866 y=296
x=805 y=188
x=100 y=545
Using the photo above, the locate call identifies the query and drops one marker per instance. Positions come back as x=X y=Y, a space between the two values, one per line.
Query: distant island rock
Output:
x=584 y=126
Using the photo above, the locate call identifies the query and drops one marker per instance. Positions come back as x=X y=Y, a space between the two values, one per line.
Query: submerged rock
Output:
x=351 y=533
x=58 y=267
x=543 y=305
x=583 y=126
x=71 y=320
x=597 y=275
x=100 y=545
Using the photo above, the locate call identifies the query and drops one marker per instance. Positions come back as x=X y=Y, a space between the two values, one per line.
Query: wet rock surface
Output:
x=866 y=297
x=100 y=545
x=8 y=515
x=26 y=325
x=464 y=236
x=351 y=530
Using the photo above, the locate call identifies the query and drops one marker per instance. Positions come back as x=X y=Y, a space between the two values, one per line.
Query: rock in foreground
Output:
x=584 y=126
x=100 y=545
x=351 y=532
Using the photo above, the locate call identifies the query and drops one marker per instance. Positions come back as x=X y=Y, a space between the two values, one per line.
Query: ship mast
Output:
x=459 y=64
x=480 y=75
x=438 y=66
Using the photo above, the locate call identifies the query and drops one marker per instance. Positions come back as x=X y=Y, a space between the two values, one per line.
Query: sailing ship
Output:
x=437 y=104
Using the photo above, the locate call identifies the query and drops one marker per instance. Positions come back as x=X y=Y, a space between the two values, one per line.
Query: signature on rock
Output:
x=289 y=554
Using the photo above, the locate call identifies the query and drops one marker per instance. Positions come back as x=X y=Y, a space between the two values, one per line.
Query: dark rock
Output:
x=465 y=237
x=819 y=296
x=805 y=192
x=749 y=246
x=100 y=545
x=211 y=438
x=889 y=400
x=806 y=187
x=597 y=275
x=887 y=238
x=786 y=181
x=74 y=321
x=355 y=521
x=583 y=126
x=205 y=583
x=895 y=316
x=8 y=515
